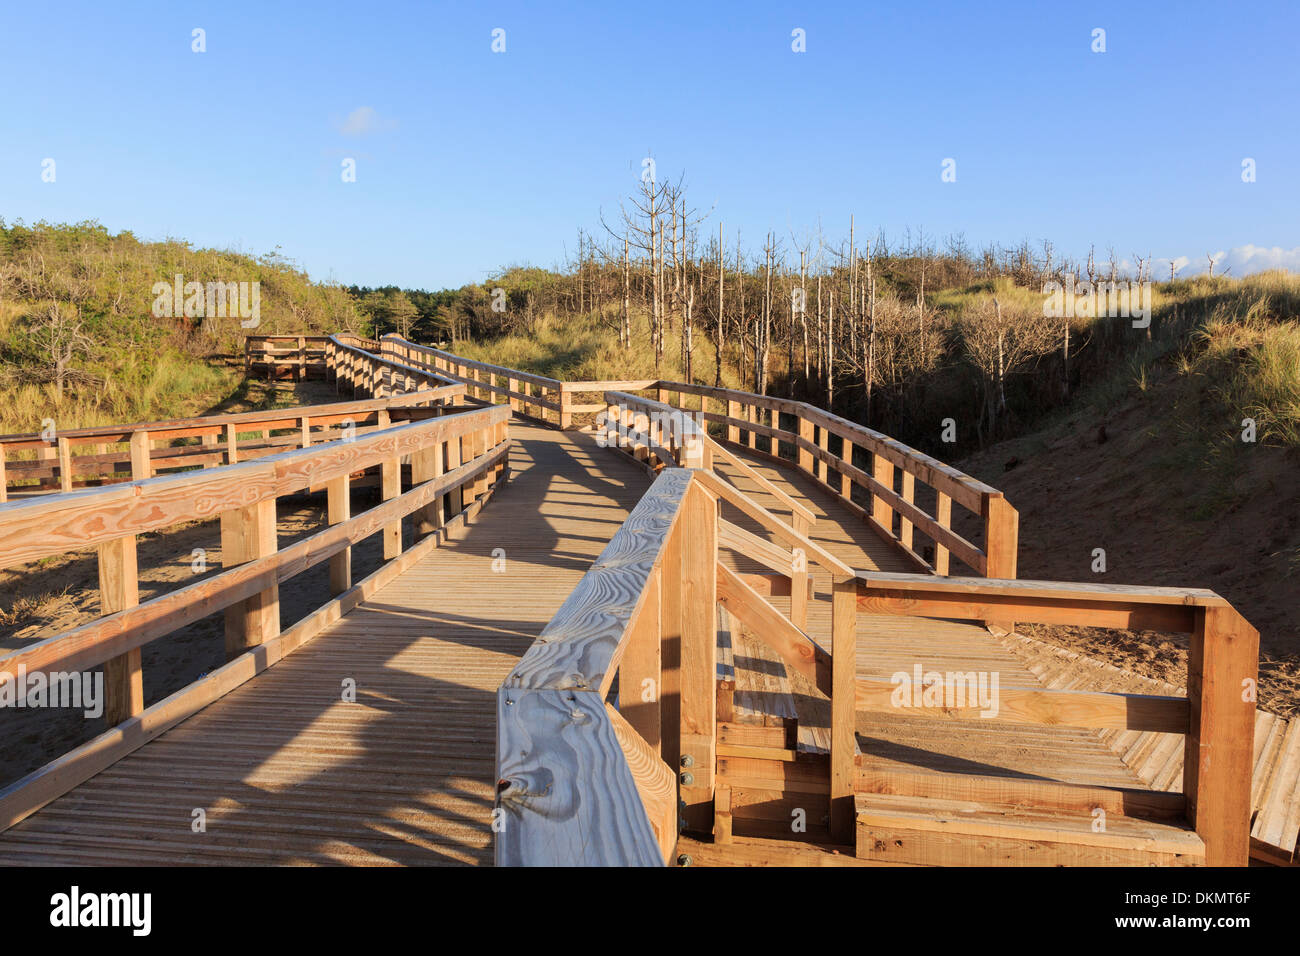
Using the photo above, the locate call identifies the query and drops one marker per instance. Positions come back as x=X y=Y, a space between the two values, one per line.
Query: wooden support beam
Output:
x=1222 y=675
x=904 y=525
x=698 y=536
x=799 y=581
x=722 y=815
x=844 y=644
x=119 y=590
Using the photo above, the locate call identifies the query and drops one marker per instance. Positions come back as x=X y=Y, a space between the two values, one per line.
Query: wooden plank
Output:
x=722 y=815
x=943 y=514
x=875 y=597
x=25 y=796
x=1022 y=705
x=945 y=833
x=752 y=546
x=1046 y=590
x=1018 y=792
x=797 y=510
x=141 y=467
x=65 y=464
x=390 y=478
x=883 y=473
x=1277 y=824
x=92 y=643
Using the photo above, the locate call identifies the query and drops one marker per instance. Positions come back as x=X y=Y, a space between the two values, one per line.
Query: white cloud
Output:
x=363 y=121
x=1241 y=260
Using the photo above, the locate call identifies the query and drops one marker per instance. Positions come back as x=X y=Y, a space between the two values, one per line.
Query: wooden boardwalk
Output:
x=286 y=772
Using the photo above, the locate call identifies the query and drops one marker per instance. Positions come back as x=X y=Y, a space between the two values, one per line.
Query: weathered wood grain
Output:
x=566 y=792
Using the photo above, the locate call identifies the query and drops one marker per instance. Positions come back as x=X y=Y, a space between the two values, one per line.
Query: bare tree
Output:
x=61 y=341
x=1000 y=341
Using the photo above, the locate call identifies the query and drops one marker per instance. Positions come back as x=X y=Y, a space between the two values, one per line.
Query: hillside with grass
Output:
x=80 y=343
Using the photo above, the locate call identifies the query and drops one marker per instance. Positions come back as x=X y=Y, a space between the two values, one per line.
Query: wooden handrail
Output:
x=34 y=528
x=892 y=463
x=153 y=445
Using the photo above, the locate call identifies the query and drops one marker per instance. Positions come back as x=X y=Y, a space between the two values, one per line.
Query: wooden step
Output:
x=939 y=832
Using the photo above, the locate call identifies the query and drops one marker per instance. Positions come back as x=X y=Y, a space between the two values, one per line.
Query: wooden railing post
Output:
x=427 y=464
x=882 y=470
x=566 y=416
x=246 y=534
x=1001 y=533
x=733 y=412
x=1222 y=675
x=65 y=464
x=119 y=590
x=697 y=534
x=455 y=498
x=942 y=514
x=846 y=456
x=805 y=435
x=691 y=442
x=141 y=465
x=338 y=500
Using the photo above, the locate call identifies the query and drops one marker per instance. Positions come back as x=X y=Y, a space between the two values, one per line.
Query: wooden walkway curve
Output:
x=284 y=771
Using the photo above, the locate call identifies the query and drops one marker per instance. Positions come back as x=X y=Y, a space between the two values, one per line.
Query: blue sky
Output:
x=468 y=160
